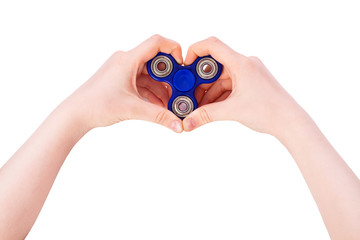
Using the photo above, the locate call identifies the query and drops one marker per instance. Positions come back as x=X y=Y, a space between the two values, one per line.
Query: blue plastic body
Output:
x=183 y=80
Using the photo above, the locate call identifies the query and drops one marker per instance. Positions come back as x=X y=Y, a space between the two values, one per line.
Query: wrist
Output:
x=290 y=118
x=74 y=116
x=297 y=129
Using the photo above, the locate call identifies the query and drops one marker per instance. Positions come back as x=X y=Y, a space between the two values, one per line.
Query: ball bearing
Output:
x=161 y=66
x=182 y=106
x=207 y=68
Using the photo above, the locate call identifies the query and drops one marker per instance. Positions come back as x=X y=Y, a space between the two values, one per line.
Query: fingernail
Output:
x=176 y=126
x=190 y=124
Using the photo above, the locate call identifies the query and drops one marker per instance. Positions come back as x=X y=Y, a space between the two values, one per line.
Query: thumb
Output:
x=160 y=115
x=206 y=114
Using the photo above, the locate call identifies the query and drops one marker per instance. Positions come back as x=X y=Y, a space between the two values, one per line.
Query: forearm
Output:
x=26 y=179
x=334 y=186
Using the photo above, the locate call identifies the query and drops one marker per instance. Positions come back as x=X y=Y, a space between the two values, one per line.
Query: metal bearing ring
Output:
x=161 y=66
x=207 y=68
x=182 y=106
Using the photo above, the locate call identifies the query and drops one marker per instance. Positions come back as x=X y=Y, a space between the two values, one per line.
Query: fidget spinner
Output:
x=183 y=80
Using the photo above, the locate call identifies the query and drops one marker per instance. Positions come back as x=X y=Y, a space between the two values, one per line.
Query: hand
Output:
x=256 y=100
x=113 y=93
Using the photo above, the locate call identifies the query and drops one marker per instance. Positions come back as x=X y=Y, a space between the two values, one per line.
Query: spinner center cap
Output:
x=184 y=80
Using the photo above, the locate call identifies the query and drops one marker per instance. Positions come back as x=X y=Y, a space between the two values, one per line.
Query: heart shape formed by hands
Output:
x=241 y=89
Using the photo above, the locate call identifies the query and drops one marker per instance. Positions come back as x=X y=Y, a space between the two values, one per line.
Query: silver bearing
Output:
x=182 y=106
x=161 y=60
x=207 y=68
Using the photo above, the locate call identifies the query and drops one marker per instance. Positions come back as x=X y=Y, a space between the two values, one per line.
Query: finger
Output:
x=214 y=47
x=150 y=47
x=149 y=112
x=155 y=87
x=148 y=95
x=206 y=114
x=215 y=91
x=199 y=94
x=224 y=96
x=168 y=88
x=201 y=90
x=160 y=92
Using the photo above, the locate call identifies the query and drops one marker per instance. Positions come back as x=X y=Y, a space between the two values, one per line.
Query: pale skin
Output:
x=246 y=92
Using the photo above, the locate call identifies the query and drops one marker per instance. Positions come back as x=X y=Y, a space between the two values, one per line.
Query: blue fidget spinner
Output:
x=183 y=80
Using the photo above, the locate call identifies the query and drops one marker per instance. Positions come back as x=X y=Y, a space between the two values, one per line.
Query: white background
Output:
x=138 y=180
